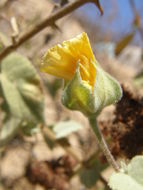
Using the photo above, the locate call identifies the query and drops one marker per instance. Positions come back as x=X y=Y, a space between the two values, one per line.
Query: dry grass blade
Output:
x=123 y=43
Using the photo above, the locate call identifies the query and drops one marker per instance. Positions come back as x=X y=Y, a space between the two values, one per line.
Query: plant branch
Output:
x=45 y=23
x=137 y=17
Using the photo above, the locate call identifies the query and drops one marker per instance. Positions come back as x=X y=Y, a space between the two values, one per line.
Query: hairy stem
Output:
x=102 y=143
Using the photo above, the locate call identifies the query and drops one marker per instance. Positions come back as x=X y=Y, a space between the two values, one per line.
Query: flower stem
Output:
x=102 y=143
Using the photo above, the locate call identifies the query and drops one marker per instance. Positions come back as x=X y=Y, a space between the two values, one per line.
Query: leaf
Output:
x=9 y=129
x=65 y=128
x=53 y=87
x=29 y=128
x=49 y=142
x=137 y=21
x=135 y=169
x=1 y=46
x=89 y=176
x=138 y=80
x=4 y=39
x=121 y=181
x=131 y=179
x=21 y=89
x=123 y=43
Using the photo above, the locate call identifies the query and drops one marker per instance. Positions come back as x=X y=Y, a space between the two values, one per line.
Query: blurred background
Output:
x=33 y=158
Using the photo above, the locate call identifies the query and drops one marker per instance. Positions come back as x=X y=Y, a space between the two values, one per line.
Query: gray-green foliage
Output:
x=53 y=86
x=64 y=128
x=4 y=39
x=90 y=175
x=130 y=178
x=9 y=129
x=138 y=80
x=21 y=91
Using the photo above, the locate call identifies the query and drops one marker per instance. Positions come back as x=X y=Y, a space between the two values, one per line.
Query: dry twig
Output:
x=45 y=23
x=137 y=17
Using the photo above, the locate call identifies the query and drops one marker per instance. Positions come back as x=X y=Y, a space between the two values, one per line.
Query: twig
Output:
x=133 y=7
x=137 y=17
x=45 y=23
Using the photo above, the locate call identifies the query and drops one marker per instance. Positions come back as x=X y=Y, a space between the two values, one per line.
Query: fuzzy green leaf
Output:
x=9 y=129
x=21 y=88
x=65 y=128
x=131 y=179
x=4 y=39
x=135 y=169
x=90 y=175
x=138 y=80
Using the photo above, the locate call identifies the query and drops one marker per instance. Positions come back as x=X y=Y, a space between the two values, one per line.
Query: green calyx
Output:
x=78 y=96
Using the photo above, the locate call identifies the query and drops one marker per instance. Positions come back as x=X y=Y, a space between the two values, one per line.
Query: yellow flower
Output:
x=62 y=59
x=87 y=87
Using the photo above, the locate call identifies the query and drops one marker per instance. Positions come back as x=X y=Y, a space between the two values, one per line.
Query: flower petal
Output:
x=61 y=60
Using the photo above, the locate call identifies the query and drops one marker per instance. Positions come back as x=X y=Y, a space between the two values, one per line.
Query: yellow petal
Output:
x=61 y=60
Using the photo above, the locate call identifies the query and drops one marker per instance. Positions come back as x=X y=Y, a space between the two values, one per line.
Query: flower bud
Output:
x=88 y=88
